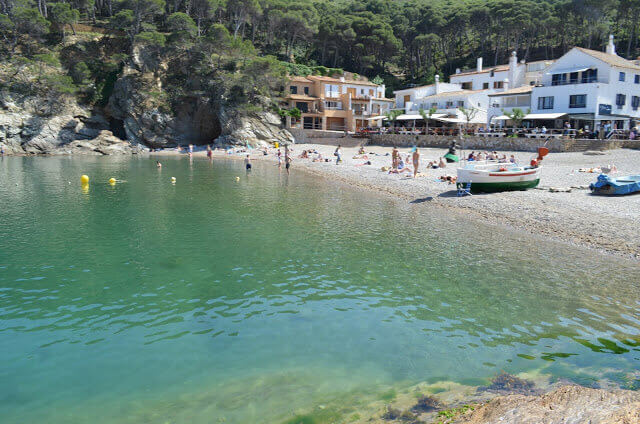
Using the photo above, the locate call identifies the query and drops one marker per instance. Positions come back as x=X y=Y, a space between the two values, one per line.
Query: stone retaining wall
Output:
x=501 y=143
x=331 y=138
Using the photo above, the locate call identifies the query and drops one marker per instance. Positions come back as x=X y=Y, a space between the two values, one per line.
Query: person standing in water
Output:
x=416 y=161
x=209 y=152
x=247 y=163
x=287 y=161
x=279 y=156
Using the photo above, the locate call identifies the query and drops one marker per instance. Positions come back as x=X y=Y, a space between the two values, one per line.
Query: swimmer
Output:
x=158 y=164
x=247 y=163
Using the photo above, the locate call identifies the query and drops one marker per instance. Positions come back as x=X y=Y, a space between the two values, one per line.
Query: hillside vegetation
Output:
x=238 y=43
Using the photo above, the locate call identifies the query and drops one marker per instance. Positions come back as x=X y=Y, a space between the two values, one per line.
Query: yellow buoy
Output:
x=173 y=180
x=112 y=181
x=84 y=179
x=277 y=144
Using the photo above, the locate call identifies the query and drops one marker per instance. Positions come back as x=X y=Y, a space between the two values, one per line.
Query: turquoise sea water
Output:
x=216 y=300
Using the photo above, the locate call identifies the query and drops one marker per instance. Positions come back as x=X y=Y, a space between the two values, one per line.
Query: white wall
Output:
x=417 y=93
x=602 y=92
x=477 y=80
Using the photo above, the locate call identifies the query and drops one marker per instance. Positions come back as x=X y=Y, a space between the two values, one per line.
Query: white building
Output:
x=446 y=98
x=470 y=90
x=585 y=87
x=493 y=78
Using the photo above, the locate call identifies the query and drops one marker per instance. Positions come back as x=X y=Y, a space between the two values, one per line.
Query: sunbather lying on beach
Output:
x=448 y=178
x=318 y=158
x=366 y=163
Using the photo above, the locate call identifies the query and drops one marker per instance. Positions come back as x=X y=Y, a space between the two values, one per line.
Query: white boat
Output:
x=491 y=176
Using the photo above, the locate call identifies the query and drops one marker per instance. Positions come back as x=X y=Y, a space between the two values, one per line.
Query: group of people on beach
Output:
x=473 y=156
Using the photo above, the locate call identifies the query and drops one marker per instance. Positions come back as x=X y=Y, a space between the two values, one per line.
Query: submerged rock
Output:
x=427 y=404
x=505 y=383
x=393 y=414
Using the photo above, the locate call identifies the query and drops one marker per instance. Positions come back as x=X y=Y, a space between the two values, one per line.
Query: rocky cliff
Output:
x=138 y=115
x=198 y=117
x=36 y=126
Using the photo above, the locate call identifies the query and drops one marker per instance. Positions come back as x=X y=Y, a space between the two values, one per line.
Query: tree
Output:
x=181 y=26
x=240 y=11
x=469 y=114
x=427 y=116
x=203 y=10
x=392 y=115
x=516 y=116
x=62 y=14
x=80 y=73
x=134 y=14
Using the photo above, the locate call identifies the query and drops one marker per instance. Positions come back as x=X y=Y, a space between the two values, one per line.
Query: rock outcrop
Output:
x=31 y=126
x=199 y=116
x=567 y=404
x=254 y=129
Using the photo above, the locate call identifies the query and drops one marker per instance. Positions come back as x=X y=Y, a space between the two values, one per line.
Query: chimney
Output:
x=479 y=64
x=458 y=70
x=611 y=48
x=513 y=68
x=342 y=79
x=437 y=84
x=505 y=84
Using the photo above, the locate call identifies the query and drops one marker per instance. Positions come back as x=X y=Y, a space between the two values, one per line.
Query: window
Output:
x=578 y=100
x=573 y=78
x=635 y=102
x=492 y=73
x=545 y=102
x=302 y=106
x=621 y=76
x=333 y=105
x=434 y=105
x=460 y=103
x=636 y=79
x=467 y=85
x=485 y=85
x=498 y=84
x=306 y=90
x=621 y=100
x=331 y=90
x=293 y=89
x=558 y=79
x=449 y=104
x=590 y=75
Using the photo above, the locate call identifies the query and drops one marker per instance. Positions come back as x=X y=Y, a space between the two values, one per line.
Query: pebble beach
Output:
x=561 y=207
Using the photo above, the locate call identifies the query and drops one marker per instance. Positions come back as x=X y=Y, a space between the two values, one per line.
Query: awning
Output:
x=569 y=70
x=452 y=120
x=500 y=118
x=543 y=116
x=375 y=118
x=408 y=117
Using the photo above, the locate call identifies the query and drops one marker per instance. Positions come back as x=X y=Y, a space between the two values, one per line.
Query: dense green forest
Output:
x=248 y=45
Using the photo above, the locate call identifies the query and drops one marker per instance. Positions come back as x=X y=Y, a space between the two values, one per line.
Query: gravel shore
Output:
x=606 y=223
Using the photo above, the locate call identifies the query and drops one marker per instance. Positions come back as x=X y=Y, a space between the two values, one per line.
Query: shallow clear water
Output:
x=218 y=300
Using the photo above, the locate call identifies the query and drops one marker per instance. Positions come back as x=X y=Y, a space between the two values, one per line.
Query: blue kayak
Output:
x=615 y=186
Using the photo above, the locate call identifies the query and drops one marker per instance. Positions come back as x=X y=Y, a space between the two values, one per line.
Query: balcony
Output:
x=575 y=82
